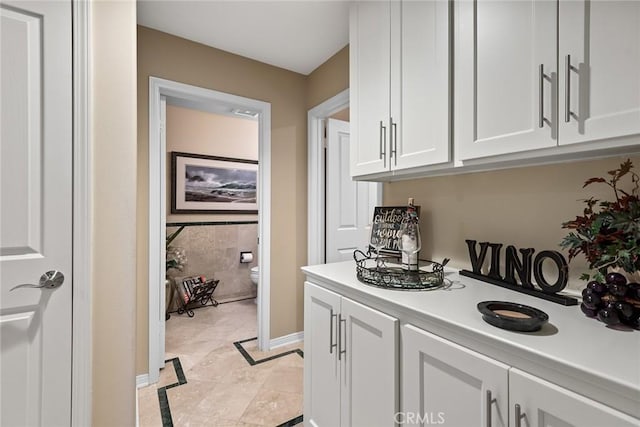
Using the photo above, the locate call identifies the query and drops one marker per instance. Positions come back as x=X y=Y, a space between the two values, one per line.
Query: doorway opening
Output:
x=183 y=96
x=332 y=226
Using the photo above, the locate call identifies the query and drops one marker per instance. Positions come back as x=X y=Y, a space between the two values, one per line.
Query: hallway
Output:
x=215 y=375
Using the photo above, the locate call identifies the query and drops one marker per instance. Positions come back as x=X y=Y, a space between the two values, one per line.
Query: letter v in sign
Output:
x=477 y=260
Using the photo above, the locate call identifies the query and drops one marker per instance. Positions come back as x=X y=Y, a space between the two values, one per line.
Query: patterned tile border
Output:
x=165 y=410
x=292 y=422
x=251 y=361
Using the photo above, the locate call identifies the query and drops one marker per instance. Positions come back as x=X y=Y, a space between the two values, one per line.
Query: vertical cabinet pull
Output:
x=394 y=141
x=341 y=349
x=383 y=143
x=541 y=78
x=518 y=416
x=567 y=88
x=331 y=343
x=488 y=403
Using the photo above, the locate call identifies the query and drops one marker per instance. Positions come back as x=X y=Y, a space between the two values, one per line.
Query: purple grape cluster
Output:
x=613 y=302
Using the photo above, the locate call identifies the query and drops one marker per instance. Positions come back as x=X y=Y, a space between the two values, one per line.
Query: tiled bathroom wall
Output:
x=213 y=251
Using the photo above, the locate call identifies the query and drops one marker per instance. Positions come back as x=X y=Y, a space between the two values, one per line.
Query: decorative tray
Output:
x=386 y=272
x=512 y=316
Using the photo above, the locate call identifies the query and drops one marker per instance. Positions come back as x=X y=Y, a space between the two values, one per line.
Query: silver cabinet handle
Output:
x=489 y=402
x=518 y=416
x=331 y=343
x=542 y=77
x=341 y=350
x=50 y=280
x=383 y=143
x=567 y=89
x=394 y=141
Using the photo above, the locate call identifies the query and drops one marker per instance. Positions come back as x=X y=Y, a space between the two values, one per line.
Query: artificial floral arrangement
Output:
x=176 y=258
x=608 y=234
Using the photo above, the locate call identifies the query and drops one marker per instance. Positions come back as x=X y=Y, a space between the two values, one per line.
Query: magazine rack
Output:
x=194 y=293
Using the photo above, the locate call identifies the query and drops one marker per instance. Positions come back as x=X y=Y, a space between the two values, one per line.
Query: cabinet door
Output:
x=500 y=95
x=545 y=404
x=444 y=383
x=420 y=105
x=600 y=87
x=321 y=370
x=369 y=386
x=369 y=35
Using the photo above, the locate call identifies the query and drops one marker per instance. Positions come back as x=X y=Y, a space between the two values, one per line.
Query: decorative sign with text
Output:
x=386 y=226
x=521 y=267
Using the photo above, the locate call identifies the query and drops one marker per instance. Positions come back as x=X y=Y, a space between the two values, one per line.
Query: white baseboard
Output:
x=286 y=340
x=142 y=381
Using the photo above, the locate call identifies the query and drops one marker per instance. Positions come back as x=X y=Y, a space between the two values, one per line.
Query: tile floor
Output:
x=222 y=388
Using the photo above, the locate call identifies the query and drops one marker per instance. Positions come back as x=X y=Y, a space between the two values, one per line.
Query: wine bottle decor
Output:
x=409 y=238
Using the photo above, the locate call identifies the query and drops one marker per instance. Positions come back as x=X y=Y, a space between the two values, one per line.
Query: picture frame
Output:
x=202 y=184
x=386 y=224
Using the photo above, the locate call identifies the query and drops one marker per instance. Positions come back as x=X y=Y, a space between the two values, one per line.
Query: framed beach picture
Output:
x=210 y=184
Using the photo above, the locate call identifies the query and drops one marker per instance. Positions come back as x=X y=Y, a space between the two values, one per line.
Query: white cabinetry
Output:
x=599 y=50
x=399 y=83
x=535 y=402
x=513 y=96
x=350 y=362
x=504 y=50
x=442 y=381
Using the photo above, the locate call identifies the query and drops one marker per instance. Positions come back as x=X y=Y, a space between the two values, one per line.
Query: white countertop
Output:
x=571 y=345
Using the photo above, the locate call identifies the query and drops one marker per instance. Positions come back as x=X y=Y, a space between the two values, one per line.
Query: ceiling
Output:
x=295 y=35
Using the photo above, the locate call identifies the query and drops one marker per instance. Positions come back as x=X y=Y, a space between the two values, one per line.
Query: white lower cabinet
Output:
x=350 y=362
x=535 y=402
x=444 y=383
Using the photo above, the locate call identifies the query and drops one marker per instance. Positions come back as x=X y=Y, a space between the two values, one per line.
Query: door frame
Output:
x=81 y=325
x=316 y=174
x=159 y=88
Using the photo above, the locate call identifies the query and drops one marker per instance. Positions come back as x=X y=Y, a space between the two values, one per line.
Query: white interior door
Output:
x=36 y=206
x=349 y=204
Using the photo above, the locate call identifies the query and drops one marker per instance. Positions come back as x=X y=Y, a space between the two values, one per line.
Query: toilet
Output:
x=254 y=275
x=254 y=278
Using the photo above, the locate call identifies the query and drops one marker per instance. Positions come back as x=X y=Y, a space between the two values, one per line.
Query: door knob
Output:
x=51 y=280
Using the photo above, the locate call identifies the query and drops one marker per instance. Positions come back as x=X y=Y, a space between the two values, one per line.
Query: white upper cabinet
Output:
x=400 y=85
x=370 y=59
x=420 y=100
x=505 y=77
x=599 y=51
x=537 y=74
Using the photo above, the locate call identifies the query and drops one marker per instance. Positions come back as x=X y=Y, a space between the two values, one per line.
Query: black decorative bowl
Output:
x=512 y=316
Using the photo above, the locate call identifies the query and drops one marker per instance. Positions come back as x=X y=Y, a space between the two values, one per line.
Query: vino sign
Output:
x=521 y=267
x=386 y=226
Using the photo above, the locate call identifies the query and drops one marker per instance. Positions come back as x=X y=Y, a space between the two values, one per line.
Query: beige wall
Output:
x=328 y=79
x=113 y=136
x=213 y=251
x=169 y=57
x=200 y=132
x=524 y=207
